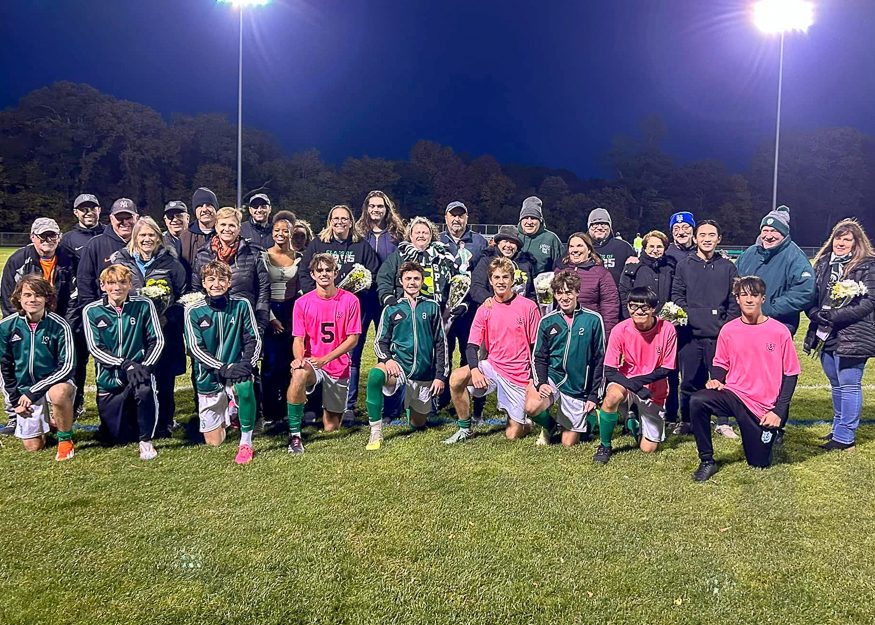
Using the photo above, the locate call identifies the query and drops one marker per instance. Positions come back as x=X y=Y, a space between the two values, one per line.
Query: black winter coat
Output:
x=853 y=324
x=25 y=261
x=260 y=235
x=346 y=253
x=75 y=240
x=657 y=274
x=167 y=267
x=249 y=278
x=704 y=290
x=481 y=289
x=95 y=258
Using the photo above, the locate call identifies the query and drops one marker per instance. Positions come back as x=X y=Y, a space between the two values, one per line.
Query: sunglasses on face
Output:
x=45 y=237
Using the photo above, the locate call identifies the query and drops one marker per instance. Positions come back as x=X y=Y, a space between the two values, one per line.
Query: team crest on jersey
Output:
x=766 y=437
x=338 y=315
x=770 y=347
x=519 y=321
x=658 y=351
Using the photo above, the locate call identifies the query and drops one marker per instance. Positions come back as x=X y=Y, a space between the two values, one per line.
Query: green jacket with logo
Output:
x=113 y=336
x=32 y=361
x=220 y=331
x=571 y=357
x=412 y=334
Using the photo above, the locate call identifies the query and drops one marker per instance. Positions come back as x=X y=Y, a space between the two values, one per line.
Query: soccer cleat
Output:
x=602 y=454
x=80 y=412
x=8 y=429
x=634 y=427
x=684 y=429
x=459 y=437
x=65 y=451
x=726 y=431
x=244 y=454
x=375 y=442
x=706 y=469
x=147 y=451
x=296 y=445
x=834 y=445
x=544 y=439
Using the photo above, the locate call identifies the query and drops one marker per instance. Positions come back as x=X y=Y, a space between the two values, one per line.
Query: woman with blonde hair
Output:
x=847 y=332
x=340 y=239
x=148 y=258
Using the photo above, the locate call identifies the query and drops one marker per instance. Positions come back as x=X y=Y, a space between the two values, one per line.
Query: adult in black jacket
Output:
x=848 y=332
x=149 y=259
x=653 y=269
x=97 y=253
x=249 y=277
x=340 y=239
x=259 y=228
x=86 y=208
x=702 y=286
x=613 y=251
x=507 y=244
x=199 y=233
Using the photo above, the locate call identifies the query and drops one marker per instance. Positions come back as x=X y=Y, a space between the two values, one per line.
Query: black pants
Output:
x=755 y=439
x=671 y=402
x=128 y=414
x=694 y=362
x=165 y=383
x=275 y=373
x=80 y=372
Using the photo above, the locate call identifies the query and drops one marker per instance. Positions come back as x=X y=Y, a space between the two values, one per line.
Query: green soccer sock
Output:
x=464 y=424
x=65 y=436
x=376 y=380
x=246 y=405
x=545 y=420
x=607 y=423
x=295 y=414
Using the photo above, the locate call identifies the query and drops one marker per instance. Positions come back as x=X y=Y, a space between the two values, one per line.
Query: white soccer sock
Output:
x=376 y=429
x=246 y=438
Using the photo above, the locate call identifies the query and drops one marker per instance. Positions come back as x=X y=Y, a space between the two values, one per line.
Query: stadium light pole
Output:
x=241 y=5
x=779 y=17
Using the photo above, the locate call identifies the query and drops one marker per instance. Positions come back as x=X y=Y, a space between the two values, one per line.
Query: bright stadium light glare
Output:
x=780 y=16
x=245 y=3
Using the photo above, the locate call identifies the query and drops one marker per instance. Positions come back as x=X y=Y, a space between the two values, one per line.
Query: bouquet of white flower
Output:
x=159 y=292
x=192 y=298
x=841 y=294
x=460 y=286
x=543 y=291
x=358 y=279
x=520 y=278
x=674 y=314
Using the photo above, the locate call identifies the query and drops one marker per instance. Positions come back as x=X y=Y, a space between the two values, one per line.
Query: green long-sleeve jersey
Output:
x=412 y=334
x=220 y=331
x=571 y=355
x=33 y=360
x=113 y=336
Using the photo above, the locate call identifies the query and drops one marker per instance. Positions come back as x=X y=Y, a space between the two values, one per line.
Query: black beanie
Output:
x=204 y=196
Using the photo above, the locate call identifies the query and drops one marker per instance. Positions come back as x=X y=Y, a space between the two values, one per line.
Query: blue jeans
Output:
x=845 y=377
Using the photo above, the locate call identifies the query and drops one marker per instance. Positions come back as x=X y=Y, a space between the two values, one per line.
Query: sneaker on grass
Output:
x=296 y=445
x=834 y=445
x=376 y=439
x=706 y=469
x=8 y=429
x=65 y=451
x=726 y=431
x=348 y=417
x=684 y=429
x=545 y=438
x=602 y=455
x=244 y=454
x=459 y=437
x=147 y=451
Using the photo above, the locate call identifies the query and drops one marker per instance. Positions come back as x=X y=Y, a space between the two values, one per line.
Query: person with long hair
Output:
x=849 y=329
x=148 y=258
x=598 y=292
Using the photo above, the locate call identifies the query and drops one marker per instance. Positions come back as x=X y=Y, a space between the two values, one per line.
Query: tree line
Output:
x=70 y=138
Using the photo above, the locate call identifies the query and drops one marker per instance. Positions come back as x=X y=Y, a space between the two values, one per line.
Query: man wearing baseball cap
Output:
x=44 y=258
x=614 y=251
x=259 y=228
x=176 y=220
x=97 y=253
x=86 y=209
x=680 y=227
x=544 y=246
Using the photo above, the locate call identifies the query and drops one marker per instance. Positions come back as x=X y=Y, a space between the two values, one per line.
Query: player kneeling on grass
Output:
x=124 y=337
x=37 y=358
x=326 y=324
x=506 y=326
x=412 y=351
x=641 y=354
x=568 y=360
x=223 y=340
x=753 y=377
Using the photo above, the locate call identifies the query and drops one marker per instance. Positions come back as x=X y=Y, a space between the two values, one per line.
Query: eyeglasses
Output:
x=323 y=270
x=340 y=220
x=644 y=308
x=173 y=217
x=45 y=237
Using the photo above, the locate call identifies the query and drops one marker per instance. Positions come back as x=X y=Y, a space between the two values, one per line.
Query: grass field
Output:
x=489 y=531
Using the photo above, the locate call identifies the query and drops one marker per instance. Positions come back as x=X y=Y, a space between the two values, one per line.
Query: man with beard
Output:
x=614 y=251
x=201 y=231
x=259 y=228
x=543 y=245
x=97 y=254
x=86 y=208
x=681 y=226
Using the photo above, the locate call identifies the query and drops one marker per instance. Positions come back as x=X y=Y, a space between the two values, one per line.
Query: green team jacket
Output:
x=220 y=331
x=113 y=337
x=412 y=334
x=32 y=361
x=571 y=357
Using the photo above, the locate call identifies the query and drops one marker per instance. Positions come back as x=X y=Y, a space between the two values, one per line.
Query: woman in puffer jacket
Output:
x=506 y=243
x=652 y=269
x=847 y=332
x=597 y=289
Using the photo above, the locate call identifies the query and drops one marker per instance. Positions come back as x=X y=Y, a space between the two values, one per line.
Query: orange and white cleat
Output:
x=65 y=451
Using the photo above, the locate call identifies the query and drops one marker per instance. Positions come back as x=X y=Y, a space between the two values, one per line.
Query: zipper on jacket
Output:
x=221 y=332
x=567 y=346
x=32 y=348
x=415 y=339
x=120 y=340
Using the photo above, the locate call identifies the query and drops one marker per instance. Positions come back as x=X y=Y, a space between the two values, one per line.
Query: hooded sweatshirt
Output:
x=614 y=252
x=544 y=246
x=789 y=278
x=704 y=290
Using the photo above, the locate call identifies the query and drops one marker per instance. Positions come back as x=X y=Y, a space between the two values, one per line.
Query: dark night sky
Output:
x=538 y=82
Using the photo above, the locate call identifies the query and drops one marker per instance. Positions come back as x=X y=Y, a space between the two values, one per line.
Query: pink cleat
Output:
x=244 y=454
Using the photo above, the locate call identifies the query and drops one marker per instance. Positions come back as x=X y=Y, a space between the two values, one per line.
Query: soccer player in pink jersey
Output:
x=641 y=354
x=326 y=324
x=506 y=325
x=753 y=377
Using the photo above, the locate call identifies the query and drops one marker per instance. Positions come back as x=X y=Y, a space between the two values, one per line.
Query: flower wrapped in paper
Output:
x=674 y=314
x=460 y=286
x=543 y=291
x=841 y=294
x=520 y=279
x=194 y=297
x=159 y=292
x=357 y=280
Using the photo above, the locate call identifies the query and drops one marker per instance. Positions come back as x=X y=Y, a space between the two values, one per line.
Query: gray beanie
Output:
x=599 y=216
x=532 y=208
x=779 y=219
